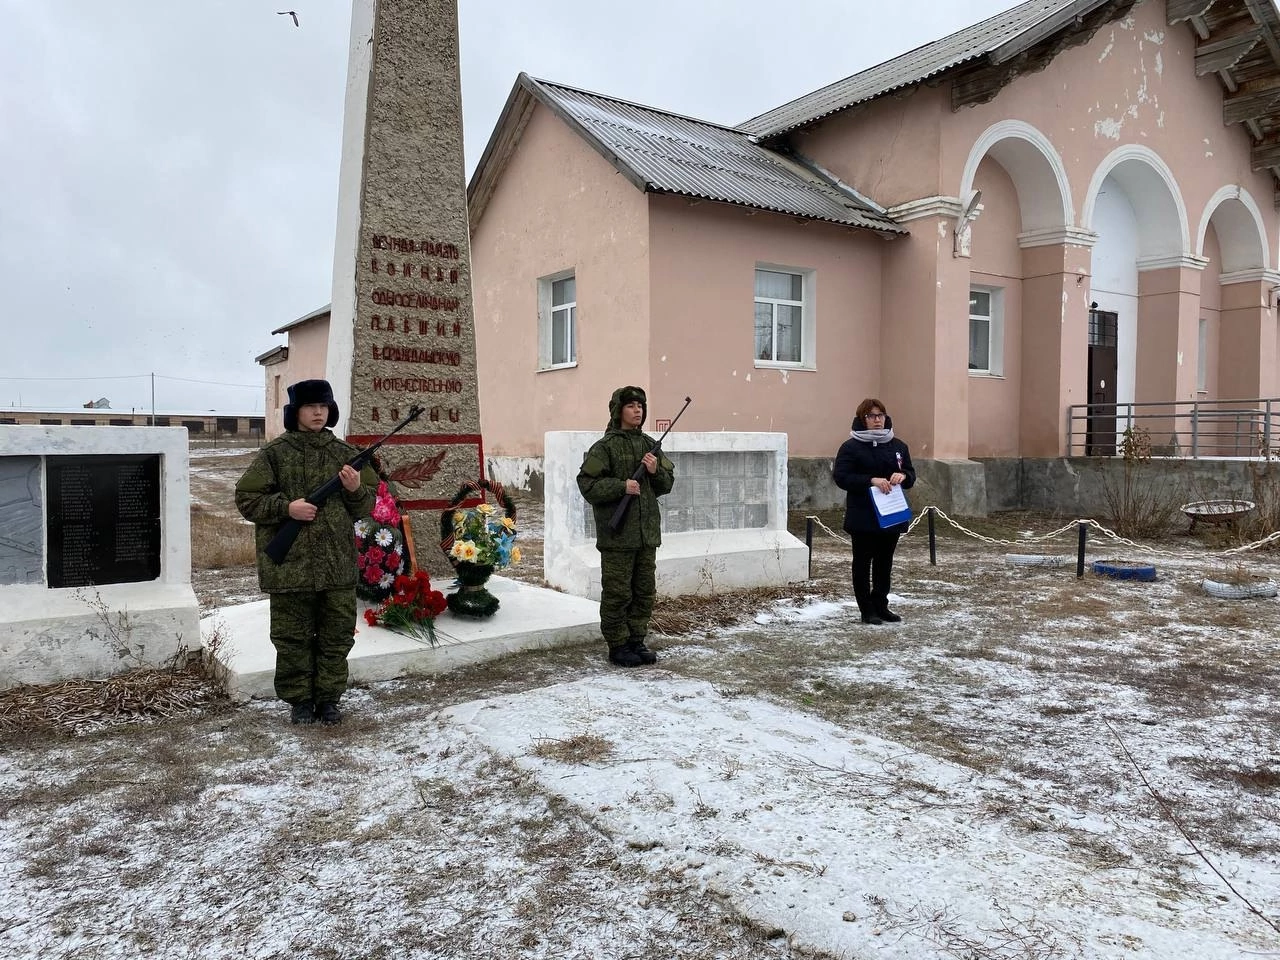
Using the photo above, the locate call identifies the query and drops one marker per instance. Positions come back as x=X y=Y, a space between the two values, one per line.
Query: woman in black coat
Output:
x=872 y=457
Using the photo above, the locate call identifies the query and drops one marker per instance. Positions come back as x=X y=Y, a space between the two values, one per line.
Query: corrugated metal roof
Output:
x=978 y=40
x=668 y=153
x=301 y=320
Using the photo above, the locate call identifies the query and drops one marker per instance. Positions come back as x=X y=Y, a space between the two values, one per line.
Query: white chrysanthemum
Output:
x=386 y=581
x=362 y=528
x=399 y=548
x=383 y=537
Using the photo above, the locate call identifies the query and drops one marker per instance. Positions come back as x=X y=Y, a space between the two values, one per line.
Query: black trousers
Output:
x=872 y=569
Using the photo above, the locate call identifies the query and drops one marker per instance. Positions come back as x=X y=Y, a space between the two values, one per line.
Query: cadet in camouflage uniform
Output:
x=628 y=558
x=313 y=593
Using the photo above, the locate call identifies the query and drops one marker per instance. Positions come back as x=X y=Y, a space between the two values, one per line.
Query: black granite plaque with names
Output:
x=103 y=519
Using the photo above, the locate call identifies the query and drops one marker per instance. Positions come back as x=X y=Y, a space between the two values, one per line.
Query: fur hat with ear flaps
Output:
x=309 y=391
x=621 y=397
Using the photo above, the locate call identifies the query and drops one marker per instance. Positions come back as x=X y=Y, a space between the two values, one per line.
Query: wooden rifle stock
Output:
x=624 y=505
x=279 y=546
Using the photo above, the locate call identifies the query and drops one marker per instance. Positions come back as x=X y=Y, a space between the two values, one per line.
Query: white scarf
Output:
x=873 y=437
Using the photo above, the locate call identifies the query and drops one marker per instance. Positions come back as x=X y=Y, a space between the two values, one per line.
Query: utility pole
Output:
x=153 y=399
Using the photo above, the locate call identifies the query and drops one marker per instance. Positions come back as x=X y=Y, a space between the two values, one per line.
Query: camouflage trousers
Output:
x=312 y=631
x=628 y=584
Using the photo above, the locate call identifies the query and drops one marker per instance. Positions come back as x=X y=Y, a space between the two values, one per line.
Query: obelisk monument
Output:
x=401 y=330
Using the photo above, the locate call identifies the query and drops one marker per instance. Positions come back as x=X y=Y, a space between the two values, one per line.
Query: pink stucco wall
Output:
x=665 y=285
x=558 y=205
x=1133 y=85
x=703 y=260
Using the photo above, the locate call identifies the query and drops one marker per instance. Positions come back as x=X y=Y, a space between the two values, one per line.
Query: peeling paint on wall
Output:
x=1155 y=36
x=1107 y=128
x=1106 y=51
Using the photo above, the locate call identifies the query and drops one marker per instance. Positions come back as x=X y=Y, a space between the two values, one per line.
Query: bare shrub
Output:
x=218 y=541
x=1144 y=501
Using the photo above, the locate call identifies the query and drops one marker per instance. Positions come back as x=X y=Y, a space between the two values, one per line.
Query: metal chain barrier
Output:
x=1073 y=525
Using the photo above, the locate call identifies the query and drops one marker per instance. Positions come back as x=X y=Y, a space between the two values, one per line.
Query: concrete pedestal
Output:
x=530 y=618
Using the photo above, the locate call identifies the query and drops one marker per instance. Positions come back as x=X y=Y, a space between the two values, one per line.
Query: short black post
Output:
x=933 y=539
x=808 y=542
x=1084 y=535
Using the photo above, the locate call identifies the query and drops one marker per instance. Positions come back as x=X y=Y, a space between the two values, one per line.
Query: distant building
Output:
x=302 y=358
x=210 y=426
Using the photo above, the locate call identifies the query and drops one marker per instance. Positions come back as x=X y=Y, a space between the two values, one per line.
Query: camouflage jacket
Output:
x=286 y=469
x=608 y=465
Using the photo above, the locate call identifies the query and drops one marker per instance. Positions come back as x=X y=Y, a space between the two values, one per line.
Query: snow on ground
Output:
x=968 y=784
x=836 y=837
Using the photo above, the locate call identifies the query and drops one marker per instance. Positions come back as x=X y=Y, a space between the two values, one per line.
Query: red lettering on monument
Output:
x=414 y=301
x=432 y=248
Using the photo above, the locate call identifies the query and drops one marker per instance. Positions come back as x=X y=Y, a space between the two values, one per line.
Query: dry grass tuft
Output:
x=82 y=705
x=219 y=541
x=679 y=615
x=584 y=748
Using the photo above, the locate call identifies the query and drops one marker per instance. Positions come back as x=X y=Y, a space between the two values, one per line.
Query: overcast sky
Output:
x=169 y=171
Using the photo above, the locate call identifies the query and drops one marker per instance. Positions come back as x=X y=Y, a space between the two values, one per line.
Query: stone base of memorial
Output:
x=724 y=525
x=95 y=557
x=532 y=618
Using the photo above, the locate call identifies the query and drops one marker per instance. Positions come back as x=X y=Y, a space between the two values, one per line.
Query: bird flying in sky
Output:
x=288 y=13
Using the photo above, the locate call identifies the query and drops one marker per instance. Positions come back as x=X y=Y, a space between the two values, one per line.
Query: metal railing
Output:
x=1177 y=428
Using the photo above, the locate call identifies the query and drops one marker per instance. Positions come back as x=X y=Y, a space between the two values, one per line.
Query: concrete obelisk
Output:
x=401 y=330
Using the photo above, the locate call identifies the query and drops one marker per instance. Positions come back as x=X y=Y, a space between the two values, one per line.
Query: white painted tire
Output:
x=1239 y=591
x=1035 y=560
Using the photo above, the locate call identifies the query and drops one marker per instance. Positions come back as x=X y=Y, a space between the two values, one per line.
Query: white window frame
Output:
x=808 y=317
x=995 y=332
x=545 y=322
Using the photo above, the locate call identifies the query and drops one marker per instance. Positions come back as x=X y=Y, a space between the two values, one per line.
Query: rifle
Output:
x=279 y=546
x=620 y=511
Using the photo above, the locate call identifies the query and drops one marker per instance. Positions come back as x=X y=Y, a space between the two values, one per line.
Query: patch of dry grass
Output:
x=583 y=748
x=219 y=541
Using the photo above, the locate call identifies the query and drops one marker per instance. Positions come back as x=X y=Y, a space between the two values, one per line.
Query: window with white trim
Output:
x=986 y=331
x=784 y=317
x=558 y=321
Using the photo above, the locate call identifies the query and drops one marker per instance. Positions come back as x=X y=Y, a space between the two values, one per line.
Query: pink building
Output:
x=1072 y=202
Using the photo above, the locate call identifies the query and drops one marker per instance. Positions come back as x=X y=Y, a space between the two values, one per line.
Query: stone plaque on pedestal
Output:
x=401 y=331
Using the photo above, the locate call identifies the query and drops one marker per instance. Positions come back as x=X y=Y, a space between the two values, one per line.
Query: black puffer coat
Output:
x=856 y=463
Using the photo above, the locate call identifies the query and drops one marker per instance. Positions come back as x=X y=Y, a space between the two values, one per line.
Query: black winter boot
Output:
x=624 y=656
x=872 y=619
x=303 y=713
x=887 y=615
x=636 y=646
x=328 y=714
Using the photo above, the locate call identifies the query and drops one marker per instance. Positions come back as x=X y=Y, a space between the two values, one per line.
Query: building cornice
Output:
x=1057 y=237
x=1184 y=261
x=949 y=207
x=1252 y=275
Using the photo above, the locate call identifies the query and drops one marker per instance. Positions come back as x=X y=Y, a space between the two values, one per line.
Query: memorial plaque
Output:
x=103 y=519
x=401 y=331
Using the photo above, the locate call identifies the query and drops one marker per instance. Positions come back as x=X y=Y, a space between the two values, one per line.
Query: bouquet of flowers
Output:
x=483 y=537
x=411 y=608
x=380 y=549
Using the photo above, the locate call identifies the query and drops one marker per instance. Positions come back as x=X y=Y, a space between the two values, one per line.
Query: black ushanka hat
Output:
x=309 y=391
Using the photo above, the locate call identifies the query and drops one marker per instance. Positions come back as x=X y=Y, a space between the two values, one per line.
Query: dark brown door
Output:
x=1100 y=429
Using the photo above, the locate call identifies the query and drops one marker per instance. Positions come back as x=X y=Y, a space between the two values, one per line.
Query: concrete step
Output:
x=530 y=618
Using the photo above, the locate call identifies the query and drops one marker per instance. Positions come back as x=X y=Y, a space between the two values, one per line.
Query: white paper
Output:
x=887 y=504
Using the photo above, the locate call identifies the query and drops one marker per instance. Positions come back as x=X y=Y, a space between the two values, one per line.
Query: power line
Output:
x=215 y=383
